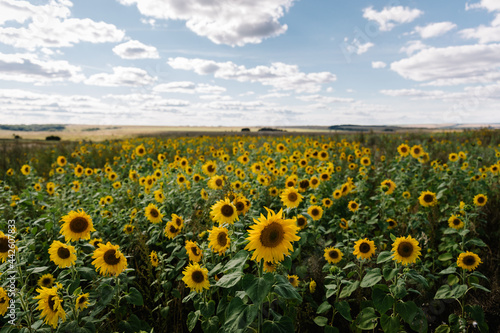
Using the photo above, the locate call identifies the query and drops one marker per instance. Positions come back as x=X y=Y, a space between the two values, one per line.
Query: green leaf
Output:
x=237 y=262
x=349 y=289
x=285 y=289
x=442 y=329
x=331 y=329
x=478 y=286
x=192 y=319
x=445 y=256
x=477 y=313
x=384 y=256
x=399 y=289
x=344 y=309
x=389 y=324
x=331 y=289
x=321 y=321
x=417 y=277
x=371 y=278
x=323 y=307
x=258 y=288
x=239 y=316
x=284 y=325
x=459 y=290
x=36 y=270
x=366 y=319
x=407 y=310
x=106 y=293
x=479 y=274
x=444 y=292
x=134 y=297
x=229 y=280
x=382 y=300
x=211 y=325
x=449 y=270
x=207 y=309
x=476 y=242
x=390 y=273
x=453 y=279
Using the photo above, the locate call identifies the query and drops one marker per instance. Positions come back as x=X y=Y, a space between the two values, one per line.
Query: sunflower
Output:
x=327 y=202
x=364 y=248
x=388 y=186
x=140 y=150
x=344 y=224
x=353 y=206
x=294 y=280
x=224 y=211
x=95 y=242
x=153 y=214
x=216 y=182
x=10 y=172
x=25 y=169
x=89 y=171
x=406 y=195
x=219 y=240
x=79 y=171
x=291 y=197
x=193 y=251
x=82 y=301
x=128 y=229
x=37 y=187
x=4 y=246
x=76 y=186
x=406 y=250
x=77 y=225
x=108 y=259
x=312 y=286
x=51 y=305
x=171 y=230
x=204 y=194
x=416 y=151
x=4 y=301
x=153 y=257
x=209 y=168
x=269 y=267
x=47 y=280
x=333 y=255
x=242 y=204
x=391 y=223
x=271 y=237
x=62 y=255
x=455 y=222
x=337 y=194
x=404 y=150
x=427 y=199
x=301 y=221
x=316 y=212
x=468 y=260
x=365 y=161
x=61 y=160
x=480 y=200
x=453 y=157
x=196 y=277
x=177 y=221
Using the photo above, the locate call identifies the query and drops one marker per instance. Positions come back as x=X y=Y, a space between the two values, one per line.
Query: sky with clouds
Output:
x=249 y=63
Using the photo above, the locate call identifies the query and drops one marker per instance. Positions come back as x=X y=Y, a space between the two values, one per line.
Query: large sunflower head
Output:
x=291 y=197
x=128 y=229
x=388 y=186
x=404 y=150
x=468 y=260
x=177 y=220
x=153 y=214
x=219 y=240
x=216 y=182
x=417 y=151
x=301 y=221
x=333 y=255
x=4 y=301
x=316 y=212
x=294 y=280
x=108 y=259
x=50 y=304
x=455 y=222
x=77 y=225
x=193 y=251
x=62 y=255
x=224 y=211
x=82 y=301
x=271 y=237
x=61 y=160
x=427 y=199
x=196 y=277
x=209 y=168
x=353 y=206
x=26 y=169
x=344 y=224
x=406 y=250
x=480 y=200
x=46 y=280
x=242 y=204
x=171 y=230
x=364 y=248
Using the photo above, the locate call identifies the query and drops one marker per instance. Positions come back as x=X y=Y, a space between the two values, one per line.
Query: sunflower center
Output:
x=364 y=248
x=314 y=212
x=78 y=224
x=194 y=250
x=63 y=253
x=292 y=280
x=292 y=197
x=46 y=282
x=227 y=210
x=354 y=205
x=218 y=182
x=240 y=206
x=51 y=302
x=2 y=300
x=428 y=198
x=272 y=235
x=456 y=221
x=391 y=223
x=314 y=181
x=416 y=151
x=141 y=151
x=198 y=277
x=173 y=229
x=154 y=213
x=304 y=183
x=222 y=239
x=301 y=221
x=333 y=254
x=405 y=249
x=469 y=260
x=290 y=184
x=210 y=168
x=480 y=200
x=82 y=300
x=178 y=222
x=404 y=150
x=4 y=245
x=110 y=257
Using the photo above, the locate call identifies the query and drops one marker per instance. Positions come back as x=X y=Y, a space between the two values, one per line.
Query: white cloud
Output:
x=133 y=49
x=234 y=22
x=484 y=34
x=21 y=11
x=490 y=5
x=378 y=64
x=188 y=87
x=414 y=93
x=435 y=29
x=413 y=46
x=356 y=46
x=390 y=16
x=452 y=65
x=279 y=75
x=273 y=95
x=321 y=99
x=121 y=76
x=29 y=68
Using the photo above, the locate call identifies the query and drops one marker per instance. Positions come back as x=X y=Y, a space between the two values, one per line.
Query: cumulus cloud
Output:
x=324 y=99
x=490 y=5
x=29 y=68
x=484 y=34
x=121 y=76
x=378 y=64
x=413 y=46
x=452 y=65
x=279 y=75
x=188 y=87
x=234 y=22
x=435 y=29
x=390 y=16
x=133 y=49
x=414 y=93
x=356 y=46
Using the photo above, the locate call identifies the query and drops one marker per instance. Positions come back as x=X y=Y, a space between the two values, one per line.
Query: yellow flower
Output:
x=333 y=255
x=389 y=185
x=416 y=151
x=196 y=277
x=26 y=169
x=353 y=206
x=140 y=150
x=312 y=286
x=427 y=199
x=455 y=222
x=480 y=200
x=108 y=260
x=301 y=221
x=77 y=225
x=47 y=280
x=61 y=160
x=51 y=305
x=294 y=280
x=291 y=197
x=316 y=212
x=153 y=214
x=82 y=301
x=128 y=229
x=468 y=261
x=271 y=237
x=406 y=250
x=364 y=248
x=4 y=301
x=224 y=211
x=153 y=257
x=171 y=230
x=391 y=224
x=344 y=224
x=404 y=150
x=216 y=182
x=219 y=240
x=62 y=255
x=193 y=251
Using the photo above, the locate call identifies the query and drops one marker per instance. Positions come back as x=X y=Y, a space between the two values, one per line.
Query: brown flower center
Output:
x=272 y=235
x=63 y=253
x=292 y=197
x=222 y=239
x=227 y=210
x=364 y=248
x=210 y=168
x=469 y=260
x=4 y=245
x=240 y=206
x=315 y=212
x=110 y=257
x=197 y=276
x=405 y=249
x=82 y=300
x=218 y=182
x=195 y=251
x=480 y=200
x=456 y=222
x=78 y=224
x=173 y=229
x=46 y=282
x=301 y=221
x=51 y=302
x=428 y=198
x=154 y=213
x=304 y=184
x=333 y=254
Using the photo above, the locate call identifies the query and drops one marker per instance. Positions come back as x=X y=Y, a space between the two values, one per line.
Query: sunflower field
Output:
x=253 y=233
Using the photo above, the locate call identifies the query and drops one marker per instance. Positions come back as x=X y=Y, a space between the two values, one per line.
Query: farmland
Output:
x=325 y=231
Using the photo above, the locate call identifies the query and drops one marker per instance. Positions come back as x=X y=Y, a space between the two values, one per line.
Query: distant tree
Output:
x=53 y=138
x=246 y=129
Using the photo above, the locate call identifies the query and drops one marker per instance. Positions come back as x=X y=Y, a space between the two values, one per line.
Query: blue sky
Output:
x=249 y=63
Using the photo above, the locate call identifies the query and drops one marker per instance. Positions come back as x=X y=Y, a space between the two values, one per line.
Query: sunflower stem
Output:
x=261 y=267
